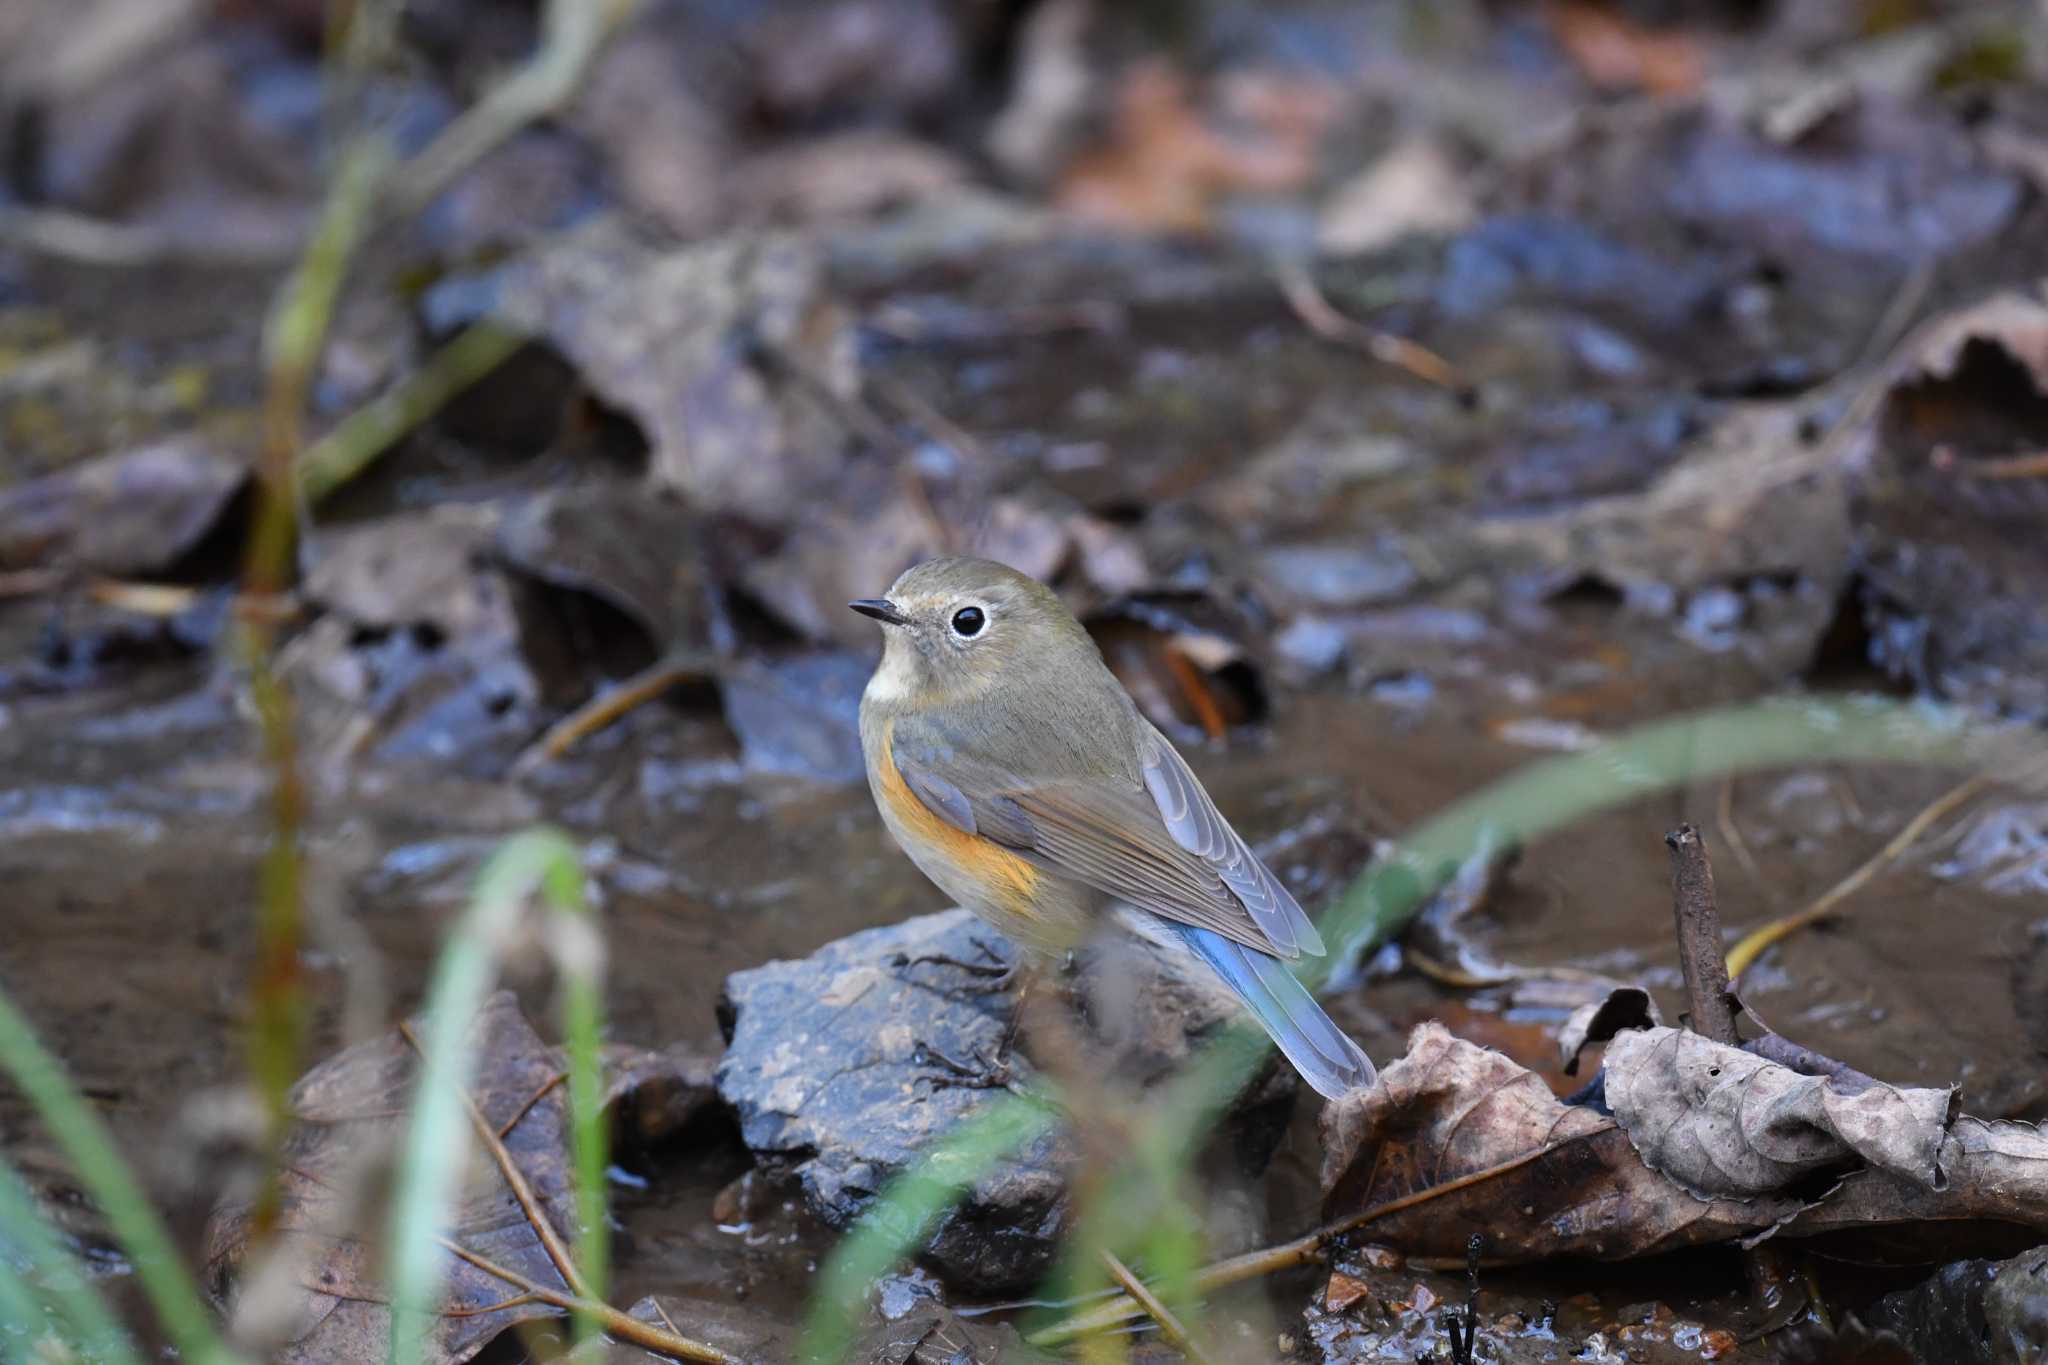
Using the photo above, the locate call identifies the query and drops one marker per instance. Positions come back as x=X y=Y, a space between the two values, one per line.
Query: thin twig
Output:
x=573 y=33
x=1698 y=921
x=1744 y=954
x=852 y=413
x=2029 y=466
x=624 y=1326
x=1842 y=1077
x=1898 y=314
x=608 y=706
x=529 y=1203
x=1287 y=1255
x=1697 y=918
x=1170 y=1326
x=1321 y=317
x=519 y=1115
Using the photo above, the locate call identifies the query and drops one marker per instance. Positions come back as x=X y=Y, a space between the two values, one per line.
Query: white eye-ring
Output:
x=968 y=621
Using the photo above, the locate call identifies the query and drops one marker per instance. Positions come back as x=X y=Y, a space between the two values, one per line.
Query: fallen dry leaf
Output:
x=710 y=348
x=1531 y=1175
x=1994 y=1172
x=1184 y=659
x=1724 y=1122
x=662 y=135
x=841 y=176
x=1458 y=1140
x=639 y=552
x=133 y=513
x=348 y=1114
x=1948 y=512
x=867 y=527
x=1598 y=1020
x=418 y=647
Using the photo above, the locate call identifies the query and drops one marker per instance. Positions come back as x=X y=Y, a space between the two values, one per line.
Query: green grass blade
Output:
x=106 y=1177
x=897 y=1223
x=438 y=1141
x=54 y=1279
x=1547 y=795
x=579 y=955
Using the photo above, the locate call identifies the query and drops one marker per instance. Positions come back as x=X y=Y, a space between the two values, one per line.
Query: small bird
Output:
x=1018 y=775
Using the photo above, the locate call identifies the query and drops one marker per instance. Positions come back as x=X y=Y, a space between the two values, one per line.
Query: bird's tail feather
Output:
x=1323 y=1053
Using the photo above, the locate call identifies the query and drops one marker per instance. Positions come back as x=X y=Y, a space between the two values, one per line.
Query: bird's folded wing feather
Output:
x=1156 y=841
x=1197 y=826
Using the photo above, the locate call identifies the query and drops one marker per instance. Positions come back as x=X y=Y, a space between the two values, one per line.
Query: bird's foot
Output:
x=978 y=1073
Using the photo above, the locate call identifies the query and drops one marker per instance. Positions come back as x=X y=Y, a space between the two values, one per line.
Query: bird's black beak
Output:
x=882 y=609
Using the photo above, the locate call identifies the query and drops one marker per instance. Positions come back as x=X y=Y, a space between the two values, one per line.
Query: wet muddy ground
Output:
x=1355 y=591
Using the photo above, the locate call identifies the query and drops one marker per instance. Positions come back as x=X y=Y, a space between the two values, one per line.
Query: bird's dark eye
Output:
x=968 y=621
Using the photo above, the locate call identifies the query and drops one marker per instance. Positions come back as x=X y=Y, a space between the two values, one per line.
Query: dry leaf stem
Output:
x=1287 y=1255
x=1744 y=954
x=1320 y=316
x=576 y=1300
x=623 y=1326
x=1170 y=1326
x=607 y=706
x=1696 y=916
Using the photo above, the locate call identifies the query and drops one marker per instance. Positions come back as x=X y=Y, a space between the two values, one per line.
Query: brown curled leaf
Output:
x=1726 y=1123
x=1533 y=1176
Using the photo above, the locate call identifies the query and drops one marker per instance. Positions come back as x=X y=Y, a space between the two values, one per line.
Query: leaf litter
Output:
x=317 y=1296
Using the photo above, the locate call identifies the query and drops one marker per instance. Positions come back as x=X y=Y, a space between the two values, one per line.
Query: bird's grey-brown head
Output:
x=951 y=626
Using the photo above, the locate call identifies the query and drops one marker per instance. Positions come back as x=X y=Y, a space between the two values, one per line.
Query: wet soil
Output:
x=132 y=818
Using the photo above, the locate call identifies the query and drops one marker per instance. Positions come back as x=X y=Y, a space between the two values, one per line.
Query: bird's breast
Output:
x=1014 y=895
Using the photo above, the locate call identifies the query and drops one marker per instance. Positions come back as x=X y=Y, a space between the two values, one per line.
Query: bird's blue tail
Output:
x=1324 y=1055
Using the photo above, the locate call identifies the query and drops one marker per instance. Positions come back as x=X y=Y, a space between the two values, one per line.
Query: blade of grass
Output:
x=1548 y=795
x=27 y=1332
x=438 y=1141
x=113 y=1187
x=896 y=1224
x=1177 y=1124
x=573 y=32
x=359 y=438
x=54 y=1280
x=294 y=335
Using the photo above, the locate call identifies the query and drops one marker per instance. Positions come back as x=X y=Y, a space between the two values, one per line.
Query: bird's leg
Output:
x=1001 y=1072
x=1027 y=981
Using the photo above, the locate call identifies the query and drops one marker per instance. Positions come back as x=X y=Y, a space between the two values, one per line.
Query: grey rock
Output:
x=835 y=1068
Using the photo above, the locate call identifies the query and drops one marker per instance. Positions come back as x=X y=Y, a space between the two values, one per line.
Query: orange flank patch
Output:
x=1006 y=879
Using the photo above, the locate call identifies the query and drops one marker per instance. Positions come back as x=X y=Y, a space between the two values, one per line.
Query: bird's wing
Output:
x=1197 y=826
x=1155 y=842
